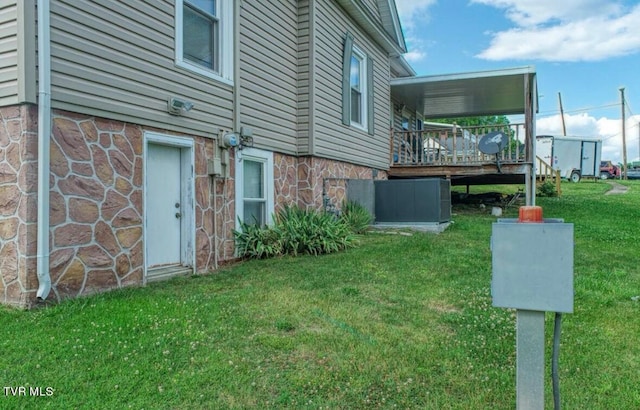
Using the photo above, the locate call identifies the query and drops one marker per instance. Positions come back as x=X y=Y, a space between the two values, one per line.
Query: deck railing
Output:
x=545 y=172
x=453 y=145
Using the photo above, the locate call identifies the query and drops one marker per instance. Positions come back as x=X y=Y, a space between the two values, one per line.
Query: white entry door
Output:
x=164 y=205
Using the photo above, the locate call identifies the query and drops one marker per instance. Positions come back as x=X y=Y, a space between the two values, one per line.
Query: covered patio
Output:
x=450 y=151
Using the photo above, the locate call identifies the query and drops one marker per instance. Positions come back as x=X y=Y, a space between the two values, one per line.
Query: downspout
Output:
x=236 y=66
x=44 y=130
x=236 y=128
x=236 y=111
x=215 y=229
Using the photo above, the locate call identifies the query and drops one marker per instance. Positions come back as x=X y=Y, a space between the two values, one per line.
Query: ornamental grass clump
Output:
x=256 y=242
x=295 y=231
x=356 y=217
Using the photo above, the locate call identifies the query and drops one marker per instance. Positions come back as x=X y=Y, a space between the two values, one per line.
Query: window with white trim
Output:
x=254 y=187
x=254 y=194
x=204 y=37
x=358 y=86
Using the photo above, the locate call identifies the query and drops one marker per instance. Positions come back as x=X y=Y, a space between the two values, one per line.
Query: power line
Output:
x=553 y=112
x=628 y=107
x=592 y=108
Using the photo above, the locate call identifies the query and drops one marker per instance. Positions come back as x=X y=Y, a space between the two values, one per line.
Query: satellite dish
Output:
x=492 y=143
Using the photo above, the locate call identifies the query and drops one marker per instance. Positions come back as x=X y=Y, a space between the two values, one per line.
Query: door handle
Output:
x=178 y=215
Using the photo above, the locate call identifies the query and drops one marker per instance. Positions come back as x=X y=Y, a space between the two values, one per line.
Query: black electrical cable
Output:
x=554 y=361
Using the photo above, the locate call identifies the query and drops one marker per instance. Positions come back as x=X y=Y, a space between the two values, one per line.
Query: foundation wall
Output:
x=323 y=180
x=96 y=202
x=18 y=203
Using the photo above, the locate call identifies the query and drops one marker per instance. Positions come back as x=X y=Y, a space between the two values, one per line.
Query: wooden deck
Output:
x=478 y=174
x=452 y=152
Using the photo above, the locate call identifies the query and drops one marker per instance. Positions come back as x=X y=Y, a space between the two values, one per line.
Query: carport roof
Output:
x=494 y=92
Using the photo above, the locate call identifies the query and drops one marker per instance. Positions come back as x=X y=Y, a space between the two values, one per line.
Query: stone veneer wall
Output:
x=96 y=214
x=96 y=195
x=18 y=199
x=209 y=236
x=96 y=205
x=285 y=175
x=314 y=172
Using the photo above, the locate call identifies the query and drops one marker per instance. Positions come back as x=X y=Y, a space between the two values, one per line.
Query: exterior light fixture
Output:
x=176 y=106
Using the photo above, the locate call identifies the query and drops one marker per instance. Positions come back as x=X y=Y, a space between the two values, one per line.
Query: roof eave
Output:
x=400 y=65
x=394 y=47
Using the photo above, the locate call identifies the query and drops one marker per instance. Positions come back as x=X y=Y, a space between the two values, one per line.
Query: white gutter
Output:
x=44 y=130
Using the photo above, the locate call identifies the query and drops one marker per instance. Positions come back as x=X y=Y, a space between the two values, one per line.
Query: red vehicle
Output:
x=608 y=170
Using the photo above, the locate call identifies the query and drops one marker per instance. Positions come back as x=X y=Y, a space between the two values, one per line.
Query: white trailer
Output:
x=574 y=157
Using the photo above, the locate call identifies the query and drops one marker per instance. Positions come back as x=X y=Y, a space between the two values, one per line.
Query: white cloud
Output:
x=414 y=13
x=572 y=30
x=585 y=125
x=527 y=13
x=414 y=55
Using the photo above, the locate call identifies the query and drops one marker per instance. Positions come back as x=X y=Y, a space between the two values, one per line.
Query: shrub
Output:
x=253 y=241
x=547 y=189
x=295 y=231
x=356 y=217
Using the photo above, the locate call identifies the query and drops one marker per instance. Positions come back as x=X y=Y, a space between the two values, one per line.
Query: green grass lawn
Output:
x=398 y=322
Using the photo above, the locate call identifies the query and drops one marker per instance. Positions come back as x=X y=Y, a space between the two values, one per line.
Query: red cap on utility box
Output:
x=530 y=214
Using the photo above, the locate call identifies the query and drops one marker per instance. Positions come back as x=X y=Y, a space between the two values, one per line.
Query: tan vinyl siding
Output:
x=27 y=57
x=332 y=139
x=396 y=106
x=268 y=61
x=116 y=59
x=304 y=76
x=8 y=52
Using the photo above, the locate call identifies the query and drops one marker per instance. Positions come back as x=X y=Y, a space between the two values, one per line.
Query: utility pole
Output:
x=624 y=137
x=564 y=129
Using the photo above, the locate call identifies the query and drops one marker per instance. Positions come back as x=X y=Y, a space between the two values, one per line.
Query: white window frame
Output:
x=361 y=56
x=257 y=155
x=225 y=43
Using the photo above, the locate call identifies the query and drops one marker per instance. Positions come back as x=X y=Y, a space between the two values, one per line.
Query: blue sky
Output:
x=584 y=49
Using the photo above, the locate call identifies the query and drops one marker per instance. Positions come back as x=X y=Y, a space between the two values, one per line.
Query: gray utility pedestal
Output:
x=532 y=265
x=533 y=273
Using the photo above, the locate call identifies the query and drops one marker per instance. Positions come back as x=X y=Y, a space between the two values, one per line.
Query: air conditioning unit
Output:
x=413 y=200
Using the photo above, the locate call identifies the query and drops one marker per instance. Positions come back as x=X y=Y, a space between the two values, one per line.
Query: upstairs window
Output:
x=201 y=33
x=204 y=37
x=357 y=87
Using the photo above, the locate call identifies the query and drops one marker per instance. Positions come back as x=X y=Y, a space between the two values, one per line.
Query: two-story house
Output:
x=135 y=134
